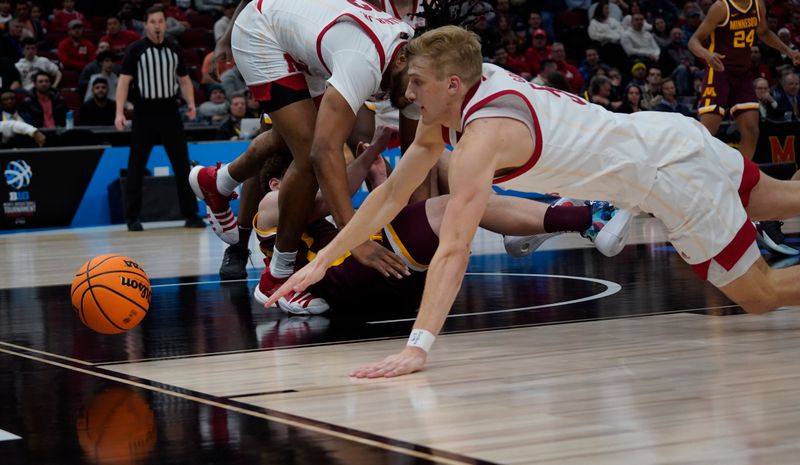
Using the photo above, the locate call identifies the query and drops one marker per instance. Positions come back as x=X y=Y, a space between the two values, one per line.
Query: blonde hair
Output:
x=451 y=50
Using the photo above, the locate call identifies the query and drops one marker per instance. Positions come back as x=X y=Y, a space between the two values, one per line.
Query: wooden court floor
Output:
x=563 y=357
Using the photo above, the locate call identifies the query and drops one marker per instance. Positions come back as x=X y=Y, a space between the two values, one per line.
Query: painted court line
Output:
x=6 y=436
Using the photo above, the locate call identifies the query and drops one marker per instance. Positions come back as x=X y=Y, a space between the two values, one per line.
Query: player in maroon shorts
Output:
x=413 y=236
x=732 y=26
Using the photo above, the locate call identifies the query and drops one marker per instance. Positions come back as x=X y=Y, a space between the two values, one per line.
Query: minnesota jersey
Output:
x=734 y=36
x=580 y=149
x=278 y=38
x=413 y=19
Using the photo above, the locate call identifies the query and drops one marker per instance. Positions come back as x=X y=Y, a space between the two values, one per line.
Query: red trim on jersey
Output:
x=446 y=135
x=258 y=5
x=537 y=150
x=732 y=253
x=394 y=9
x=750 y=177
x=366 y=29
x=470 y=93
x=263 y=92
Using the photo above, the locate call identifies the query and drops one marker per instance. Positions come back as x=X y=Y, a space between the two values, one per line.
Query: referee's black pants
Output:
x=151 y=125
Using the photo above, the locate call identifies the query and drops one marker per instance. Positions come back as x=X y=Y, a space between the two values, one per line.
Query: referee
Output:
x=156 y=69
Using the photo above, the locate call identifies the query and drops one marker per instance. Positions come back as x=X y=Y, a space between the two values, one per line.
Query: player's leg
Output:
x=711 y=121
x=773 y=200
x=747 y=123
x=215 y=184
x=762 y=288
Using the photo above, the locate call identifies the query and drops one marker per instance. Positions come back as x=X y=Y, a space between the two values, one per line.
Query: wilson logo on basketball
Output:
x=141 y=287
x=132 y=264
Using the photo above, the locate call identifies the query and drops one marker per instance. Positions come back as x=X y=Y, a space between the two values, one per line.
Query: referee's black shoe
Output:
x=234 y=263
x=194 y=222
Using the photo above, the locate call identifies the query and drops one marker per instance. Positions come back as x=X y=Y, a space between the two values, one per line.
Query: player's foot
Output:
x=234 y=263
x=303 y=303
x=610 y=228
x=267 y=285
x=203 y=180
x=135 y=225
x=522 y=246
x=771 y=237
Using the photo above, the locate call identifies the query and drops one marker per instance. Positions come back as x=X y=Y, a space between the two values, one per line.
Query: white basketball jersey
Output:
x=298 y=27
x=580 y=149
x=413 y=18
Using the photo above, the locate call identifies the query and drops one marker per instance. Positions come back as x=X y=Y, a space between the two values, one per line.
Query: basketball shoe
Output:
x=295 y=303
x=203 y=180
x=771 y=236
x=234 y=263
x=608 y=230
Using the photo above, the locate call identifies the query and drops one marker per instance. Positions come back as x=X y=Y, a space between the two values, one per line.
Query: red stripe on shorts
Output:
x=263 y=92
x=734 y=251
x=750 y=177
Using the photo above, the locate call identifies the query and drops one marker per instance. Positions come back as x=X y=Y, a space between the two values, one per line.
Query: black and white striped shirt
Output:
x=155 y=69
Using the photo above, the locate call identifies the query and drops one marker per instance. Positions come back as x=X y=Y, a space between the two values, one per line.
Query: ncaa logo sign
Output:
x=18 y=174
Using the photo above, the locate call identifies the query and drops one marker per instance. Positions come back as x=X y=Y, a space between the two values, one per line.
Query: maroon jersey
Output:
x=348 y=283
x=734 y=37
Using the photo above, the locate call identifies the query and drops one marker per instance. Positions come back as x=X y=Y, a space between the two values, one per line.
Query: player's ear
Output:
x=400 y=60
x=274 y=184
x=454 y=85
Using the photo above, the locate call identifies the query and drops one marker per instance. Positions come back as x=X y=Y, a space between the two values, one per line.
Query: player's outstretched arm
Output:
x=380 y=206
x=471 y=171
x=716 y=14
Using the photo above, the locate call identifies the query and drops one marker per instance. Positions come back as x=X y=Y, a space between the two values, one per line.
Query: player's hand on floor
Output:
x=298 y=282
x=411 y=359
x=371 y=254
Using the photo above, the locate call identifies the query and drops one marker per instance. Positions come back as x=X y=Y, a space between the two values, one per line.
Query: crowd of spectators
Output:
x=626 y=55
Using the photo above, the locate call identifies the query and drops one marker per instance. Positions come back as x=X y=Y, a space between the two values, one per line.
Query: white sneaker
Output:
x=303 y=303
x=522 y=246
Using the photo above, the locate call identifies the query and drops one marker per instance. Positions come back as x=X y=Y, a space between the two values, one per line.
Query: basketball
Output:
x=111 y=293
x=117 y=426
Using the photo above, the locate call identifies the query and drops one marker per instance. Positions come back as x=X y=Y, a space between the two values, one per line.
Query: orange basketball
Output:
x=117 y=426
x=111 y=293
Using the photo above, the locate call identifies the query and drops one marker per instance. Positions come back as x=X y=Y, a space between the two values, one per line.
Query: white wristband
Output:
x=421 y=338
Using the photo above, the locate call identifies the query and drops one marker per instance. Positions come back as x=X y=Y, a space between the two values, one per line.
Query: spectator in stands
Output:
x=472 y=10
x=215 y=109
x=548 y=66
x=768 y=106
x=231 y=127
x=590 y=64
x=5 y=12
x=516 y=60
x=253 y=107
x=31 y=63
x=12 y=132
x=129 y=17
x=31 y=29
x=599 y=92
x=490 y=38
x=638 y=43
x=705 y=5
x=228 y=7
x=604 y=28
x=616 y=83
x=232 y=81
x=36 y=17
x=211 y=7
x=661 y=33
x=8 y=105
x=11 y=41
x=9 y=75
x=74 y=51
x=639 y=74
x=172 y=11
x=787 y=97
x=651 y=94
x=534 y=24
x=64 y=16
x=690 y=26
x=538 y=51
x=503 y=28
x=628 y=19
x=573 y=75
x=45 y=105
x=500 y=59
x=99 y=110
x=117 y=37
x=503 y=7
x=794 y=27
x=669 y=99
x=786 y=38
x=679 y=62
x=106 y=62
x=664 y=8
x=757 y=68
x=631 y=102
x=689 y=8
x=614 y=10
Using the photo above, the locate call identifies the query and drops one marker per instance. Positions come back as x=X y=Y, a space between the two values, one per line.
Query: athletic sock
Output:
x=282 y=263
x=225 y=183
x=244 y=237
x=564 y=218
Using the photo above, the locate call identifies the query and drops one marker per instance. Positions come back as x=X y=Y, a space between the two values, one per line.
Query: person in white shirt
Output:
x=106 y=61
x=639 y=43
x=31 y=63
x=604 y=28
